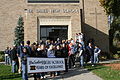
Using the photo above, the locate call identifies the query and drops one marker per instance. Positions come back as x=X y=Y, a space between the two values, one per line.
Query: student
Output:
x=76 y=37
x=96 y=54
x=10 y=60
x=19 y=52
x=90 y=50
x=34 y=54
x=29 y=48
x=51 y=54
x=14 y=59
x=80 y=37
x=6 y=56
x=58 y=54
x=41 y=53
x=24 y=63
x=81 y=55
x=71 y=55
x=65 y=55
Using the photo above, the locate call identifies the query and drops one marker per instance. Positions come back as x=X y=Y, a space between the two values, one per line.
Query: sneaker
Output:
x=42 y=77
x=74 y=66
x=93 y=65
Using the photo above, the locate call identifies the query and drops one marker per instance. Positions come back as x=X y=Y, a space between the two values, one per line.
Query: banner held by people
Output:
x=38 y=65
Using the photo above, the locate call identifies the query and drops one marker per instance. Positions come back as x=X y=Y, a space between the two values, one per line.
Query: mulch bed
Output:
x=115 y=66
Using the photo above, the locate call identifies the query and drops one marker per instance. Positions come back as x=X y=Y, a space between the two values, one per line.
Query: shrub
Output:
x=1 y=52
x=2 y=56
x=105 y=56
x=116 y=56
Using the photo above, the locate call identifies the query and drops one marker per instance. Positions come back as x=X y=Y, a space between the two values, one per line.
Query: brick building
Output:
x=50 y=19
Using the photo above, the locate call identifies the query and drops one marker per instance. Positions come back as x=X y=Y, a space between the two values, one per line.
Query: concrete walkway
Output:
x=78 y=74
x=75 y=74
x=110 y=61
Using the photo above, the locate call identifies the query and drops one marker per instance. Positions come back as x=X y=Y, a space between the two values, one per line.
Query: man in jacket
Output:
x=14 y=59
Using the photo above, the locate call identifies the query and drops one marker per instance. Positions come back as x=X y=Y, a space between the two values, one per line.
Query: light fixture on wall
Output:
x=25 y=10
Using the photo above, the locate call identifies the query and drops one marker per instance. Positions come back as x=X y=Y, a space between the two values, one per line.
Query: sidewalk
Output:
x=109 y=61
x=75 y=74
x=2 y=62
x=78 y=74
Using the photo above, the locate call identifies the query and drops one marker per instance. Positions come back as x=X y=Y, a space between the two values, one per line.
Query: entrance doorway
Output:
x=54 y=32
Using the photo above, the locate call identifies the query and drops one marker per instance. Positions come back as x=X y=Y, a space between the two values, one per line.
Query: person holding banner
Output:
x=51 y=54
x=58 y=54
x=24 y=63
x=41 y=53
x=65 y=55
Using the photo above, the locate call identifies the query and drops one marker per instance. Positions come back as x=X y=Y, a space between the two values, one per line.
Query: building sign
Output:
x=38 y=65
x=52 y=11
x=53 y=1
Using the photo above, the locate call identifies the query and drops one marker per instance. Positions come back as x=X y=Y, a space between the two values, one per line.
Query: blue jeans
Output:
x=24 y=72
x=96 y=59
x=14 y=66
x=6 y=59
x=10 y=61
x=92 y=59
x=81 y=60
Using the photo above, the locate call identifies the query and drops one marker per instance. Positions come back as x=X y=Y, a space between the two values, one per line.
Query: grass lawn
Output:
x=6 y=74
x=106 y=73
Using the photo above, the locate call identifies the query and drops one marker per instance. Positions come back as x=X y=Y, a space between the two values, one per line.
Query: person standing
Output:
x=81 y=55
x=19 y=52
x=29 y=48
x=41 y=53
x=71 y=55
x=90 y=49
x=51 y=54
x=80 y=37
x=34 y=54
x=76 y=37
x=58 y=54
x=65 y=55
x=14 y=59
x=96 y=54
x=10 y=60
x=6 y=56
x=24 y=56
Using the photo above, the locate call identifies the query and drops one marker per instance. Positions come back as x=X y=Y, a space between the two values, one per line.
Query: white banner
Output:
x=37 y=65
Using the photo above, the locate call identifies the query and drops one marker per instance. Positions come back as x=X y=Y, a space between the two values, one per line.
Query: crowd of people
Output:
x=71 y=50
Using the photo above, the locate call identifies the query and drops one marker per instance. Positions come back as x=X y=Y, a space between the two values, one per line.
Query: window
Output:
x=53 y=32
